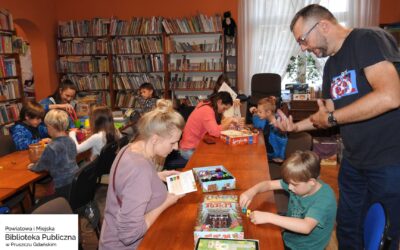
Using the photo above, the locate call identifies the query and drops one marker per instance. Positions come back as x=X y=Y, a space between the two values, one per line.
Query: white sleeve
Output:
x=95 y=139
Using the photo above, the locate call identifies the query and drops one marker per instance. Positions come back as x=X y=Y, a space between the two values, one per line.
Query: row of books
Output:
x=80 y=46
x=186 y=65
x=146 y=63
x=9 y=112
x=189 y=100
x=9 y=89
x=136 y=26
x=133 y=81
x=128 y=45
x=84 y=28
x=81 y=64
x=180 y=47
x=7 y=67
x=89 y=82
x=126 y=100
x=6 y=44
x=195 y=24
x=230 y=66
x=230 y=50
x=193 y=85
x=6 y=20
x=100 y=97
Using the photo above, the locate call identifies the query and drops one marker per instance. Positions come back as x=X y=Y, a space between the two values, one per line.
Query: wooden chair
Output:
x=7 y=145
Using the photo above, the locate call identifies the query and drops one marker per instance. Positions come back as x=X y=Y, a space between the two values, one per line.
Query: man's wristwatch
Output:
x=332 y=120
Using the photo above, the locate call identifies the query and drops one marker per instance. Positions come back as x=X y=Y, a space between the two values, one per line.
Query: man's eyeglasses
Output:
x=302 y=39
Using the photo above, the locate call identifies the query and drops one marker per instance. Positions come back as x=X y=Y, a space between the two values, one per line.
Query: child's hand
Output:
x=253 y=110
x=258 y=217
x=164 y=174
x=45 y=140
x=30 y=165
x=236 y=103
x=246 y=198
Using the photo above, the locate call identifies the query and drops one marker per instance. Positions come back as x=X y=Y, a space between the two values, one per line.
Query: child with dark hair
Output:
x=147 y=99
x=103 y=131
x=264 y=117
x=204 y=119
x=59 y=156
x=311 y=212
x=62 y=98
x=30 y=129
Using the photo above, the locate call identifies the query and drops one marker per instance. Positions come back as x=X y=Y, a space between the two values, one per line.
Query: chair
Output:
x=106 y=158
x=296 y=141
x=376 y=226
x=263 y=85
x=83 y=189
x=7 y=145
x=58 y=205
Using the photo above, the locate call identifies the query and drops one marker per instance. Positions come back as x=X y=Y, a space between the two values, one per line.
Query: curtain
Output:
x=265 y=40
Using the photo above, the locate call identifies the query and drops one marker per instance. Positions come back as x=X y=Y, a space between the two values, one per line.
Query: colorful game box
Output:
x=214 y=178
x=240 y=137
x=226 y=244
x=219 y=217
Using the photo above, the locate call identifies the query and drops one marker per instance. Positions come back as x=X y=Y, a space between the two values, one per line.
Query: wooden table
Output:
x=248 y=163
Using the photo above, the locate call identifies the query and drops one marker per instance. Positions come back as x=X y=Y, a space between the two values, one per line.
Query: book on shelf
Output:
x=6 y=20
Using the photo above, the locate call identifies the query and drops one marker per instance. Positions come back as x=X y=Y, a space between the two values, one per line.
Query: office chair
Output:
x=58 y=205
x=106 y=159
x=83 y=189
x=263 y=85
x=376 y=226
x=296 y=141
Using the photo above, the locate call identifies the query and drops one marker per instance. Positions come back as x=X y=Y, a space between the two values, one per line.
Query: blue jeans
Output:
x=358 y=189
x=186 y=153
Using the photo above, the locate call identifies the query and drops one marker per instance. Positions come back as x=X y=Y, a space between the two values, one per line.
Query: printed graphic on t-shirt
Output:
x=344 y=85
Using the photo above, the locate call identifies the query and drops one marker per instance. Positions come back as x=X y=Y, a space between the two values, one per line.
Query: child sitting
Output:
x=147 y=99
x=29 y=129
x=59 y=157
x=264 y=117
x=103 y=131
x=312 y=204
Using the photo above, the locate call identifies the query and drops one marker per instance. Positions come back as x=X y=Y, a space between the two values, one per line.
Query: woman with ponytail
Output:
x=205 y=119
x=136 y=193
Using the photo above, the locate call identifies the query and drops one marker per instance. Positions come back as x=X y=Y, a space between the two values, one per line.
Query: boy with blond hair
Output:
x=312 y=204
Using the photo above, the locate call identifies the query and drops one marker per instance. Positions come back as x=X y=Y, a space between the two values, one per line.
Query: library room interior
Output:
x=213 y=124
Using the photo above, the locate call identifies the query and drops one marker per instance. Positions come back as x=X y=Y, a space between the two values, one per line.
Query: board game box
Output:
x=226 y=244
x=214 y=178
x=219 y=217
x=240 y=137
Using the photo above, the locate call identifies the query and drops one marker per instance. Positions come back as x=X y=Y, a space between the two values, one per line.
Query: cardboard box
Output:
x=327 y=149
x=236 y=137
x=301 y=97
x=219 y=217
x=214 y=178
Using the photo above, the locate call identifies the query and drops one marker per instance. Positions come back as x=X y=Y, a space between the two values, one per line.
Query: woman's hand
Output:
x=172 y=199
x=30 y=165
x=67 y=107
x=164 y=174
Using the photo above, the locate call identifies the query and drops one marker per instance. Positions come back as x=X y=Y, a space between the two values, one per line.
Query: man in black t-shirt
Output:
x=361 y=88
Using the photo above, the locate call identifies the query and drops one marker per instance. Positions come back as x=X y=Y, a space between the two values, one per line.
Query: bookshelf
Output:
x=179 y=57
x=11 y=97
x=230 y=59
x=195 y=56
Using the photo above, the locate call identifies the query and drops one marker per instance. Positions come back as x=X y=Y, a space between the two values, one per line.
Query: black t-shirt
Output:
x=376 y=141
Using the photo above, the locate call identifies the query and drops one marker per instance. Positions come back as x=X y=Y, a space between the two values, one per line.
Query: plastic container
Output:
x=35 y=151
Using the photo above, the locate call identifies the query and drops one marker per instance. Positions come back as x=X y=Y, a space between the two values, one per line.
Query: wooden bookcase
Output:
x=111 y=57
x=231 y=59
x=11 y=91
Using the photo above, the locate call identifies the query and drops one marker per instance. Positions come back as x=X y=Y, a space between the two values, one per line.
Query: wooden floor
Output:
x=89 y=239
